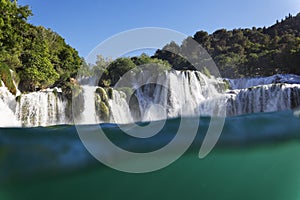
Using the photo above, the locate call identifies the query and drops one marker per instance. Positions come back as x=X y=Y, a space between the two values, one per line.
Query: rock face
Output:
x=102 y=105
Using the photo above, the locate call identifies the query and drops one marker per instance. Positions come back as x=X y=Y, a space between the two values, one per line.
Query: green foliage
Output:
x=156 y=65
x=69 y=62
x=118 y=68
x=39 y=56
x=102 y=94
x=144 y=59
x=101 y=104
x=5 y=76
x=243 y=52
x=71 y=90
x=109 y=92
x=115 y=71
x=227 y=84
x=103 y=111
x=37 y=72
x=206 y=72
x=84 y=70
x=100 y=69
x=74 y=95
x=110 y=75
x=12 y=28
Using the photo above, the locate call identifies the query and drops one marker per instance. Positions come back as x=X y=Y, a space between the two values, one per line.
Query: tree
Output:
x=12 y=27
x=243 y=52
x=118 y=68
x=39 y=56
x=37 y=71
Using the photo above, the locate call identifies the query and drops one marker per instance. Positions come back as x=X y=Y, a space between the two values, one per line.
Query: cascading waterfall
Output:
x=89 y=115
x=243 y=83
x=42 y=108
x=265 y=98
x=180 y=93
x=7 y=108
x=120 y=111
x=168 y=95
x=263 y=94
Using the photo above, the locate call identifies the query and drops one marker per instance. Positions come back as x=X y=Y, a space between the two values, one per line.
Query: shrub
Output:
x=5 y=76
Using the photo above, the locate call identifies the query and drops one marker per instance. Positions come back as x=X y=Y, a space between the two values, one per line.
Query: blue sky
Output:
x=84 y=24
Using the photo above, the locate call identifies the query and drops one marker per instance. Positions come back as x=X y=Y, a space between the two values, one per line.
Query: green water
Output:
x=257 y=157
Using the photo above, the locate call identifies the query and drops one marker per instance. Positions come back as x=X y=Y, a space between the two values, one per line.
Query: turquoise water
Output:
x=257 y=157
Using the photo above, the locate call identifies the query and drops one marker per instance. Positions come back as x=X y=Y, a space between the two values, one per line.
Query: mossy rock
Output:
x=74 y=95
x=103 y=95
x=102 y=109
x=18 y=98
x=227 y=85
x=206 y=72
x=110 y=93
x=55 y=92
x=71 y=91
x=97 y=98
x=5 y=76
x=77 y=90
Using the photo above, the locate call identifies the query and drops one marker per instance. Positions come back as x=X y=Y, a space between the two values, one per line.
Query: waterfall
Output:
x=263 y=94
x=120 y=111
x=265 y=98
x=41 y=108
x=13 y=76
x=167 y=95
x=250 y=82
x=7 y=108
x=89 y=113
x=180 y=93
x=117 y=107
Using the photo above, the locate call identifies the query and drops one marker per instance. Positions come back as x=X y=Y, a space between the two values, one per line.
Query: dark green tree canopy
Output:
x=113 y=71
x=245 y=52
x=40 y=57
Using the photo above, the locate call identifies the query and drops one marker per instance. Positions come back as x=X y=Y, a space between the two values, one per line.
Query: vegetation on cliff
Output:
x=39 y=56
x=111 y=71
x=244 y=52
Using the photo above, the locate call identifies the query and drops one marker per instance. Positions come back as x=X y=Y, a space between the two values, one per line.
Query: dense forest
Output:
x=244 y=52
x=39 y=57
x=237 y=53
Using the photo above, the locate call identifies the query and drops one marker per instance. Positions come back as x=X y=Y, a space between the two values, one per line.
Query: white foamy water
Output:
x=265 y=98
x=188 y=93
x=7 y=109
x=250 y=82
x=171 y=94
x=89 y=113
x=42 y=108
